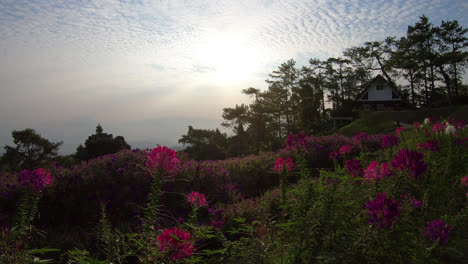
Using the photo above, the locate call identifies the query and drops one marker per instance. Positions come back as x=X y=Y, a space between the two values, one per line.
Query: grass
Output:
x=376 y=122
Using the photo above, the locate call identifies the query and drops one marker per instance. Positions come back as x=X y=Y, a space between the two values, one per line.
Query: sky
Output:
x=146 y=70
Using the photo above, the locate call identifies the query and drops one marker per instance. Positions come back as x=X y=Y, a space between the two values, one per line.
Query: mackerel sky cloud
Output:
x=66 y=65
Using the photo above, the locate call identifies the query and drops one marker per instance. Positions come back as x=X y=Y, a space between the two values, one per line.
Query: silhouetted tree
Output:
x=205 y=144
x=31 y=151
x=100 y=144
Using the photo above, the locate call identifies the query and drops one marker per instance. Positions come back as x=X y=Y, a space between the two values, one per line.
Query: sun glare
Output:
x=229 y=56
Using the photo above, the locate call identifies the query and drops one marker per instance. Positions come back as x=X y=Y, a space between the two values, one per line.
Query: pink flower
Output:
x=399 y=130
x=175 y=243
x=334 y=154
x=280 y=163
x=37 y=179
x=197 y=199
x=376 y=171
x=383 y=211
x=346 y=149
x=163 y=158
x=464 y=181
x=438 y=127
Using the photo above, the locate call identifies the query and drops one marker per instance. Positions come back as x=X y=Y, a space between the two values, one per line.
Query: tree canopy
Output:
x=31 y=150
x=100 y=144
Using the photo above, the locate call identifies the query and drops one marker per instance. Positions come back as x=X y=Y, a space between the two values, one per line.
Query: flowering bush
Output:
x=411 y=161
x=390 y=141
x=437 y=230
x=431 y=144
x=354 y=167
x=37 y=179
x=382 y=211
x=175 y=243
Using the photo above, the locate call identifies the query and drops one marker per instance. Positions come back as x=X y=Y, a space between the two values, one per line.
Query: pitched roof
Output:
x=377 y=79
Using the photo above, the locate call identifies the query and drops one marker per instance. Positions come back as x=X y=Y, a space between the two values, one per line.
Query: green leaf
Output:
x=239 y=219
x=43 y=250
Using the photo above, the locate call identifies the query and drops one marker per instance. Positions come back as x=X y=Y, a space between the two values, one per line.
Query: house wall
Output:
x=380 y=95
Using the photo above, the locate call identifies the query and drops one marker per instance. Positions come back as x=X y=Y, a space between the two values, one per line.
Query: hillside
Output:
x=385 y=121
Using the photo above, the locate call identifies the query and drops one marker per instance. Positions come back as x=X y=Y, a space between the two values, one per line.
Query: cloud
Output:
x=137 y=59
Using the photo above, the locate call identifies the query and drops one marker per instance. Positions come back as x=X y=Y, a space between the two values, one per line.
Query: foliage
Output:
x=100 y=144
x=31 y=151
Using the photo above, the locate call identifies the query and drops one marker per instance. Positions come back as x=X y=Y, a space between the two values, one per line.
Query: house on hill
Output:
x=380 y=94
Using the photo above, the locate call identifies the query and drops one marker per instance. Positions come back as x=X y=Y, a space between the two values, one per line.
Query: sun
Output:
x=230 y=56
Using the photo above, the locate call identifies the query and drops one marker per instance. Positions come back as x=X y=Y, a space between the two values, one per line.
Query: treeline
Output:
x=425 y=66
x=32 y=151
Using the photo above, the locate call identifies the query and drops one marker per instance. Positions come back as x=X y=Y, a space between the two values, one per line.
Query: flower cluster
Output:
x=163 y=158
x=399 y=130
x=376 y=171
x=297 y=141
x=197 y=199
x=175 y=243
x=410 y=160
x=334 y=154
x=37 y=179
x=390 y=141
x=361 y=136
x=431 y=144
x=346 y=149
x=437 y=230
x=383 y=211
x=354 y=167
x=439 y=127
x=283 y=163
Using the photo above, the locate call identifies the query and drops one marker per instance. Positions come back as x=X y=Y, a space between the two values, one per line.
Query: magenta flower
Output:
x=439 y=127
x=281 y=163
x=37 y=179
x=376 y=171
x=163 y=158
x=437 y=230
x=399 y=130
x=334 y=154
x=361 y=136
x=354 y=167
x=410 y=160
x=175 y=243
x=382 y=211
x=464 y=181
x=298 y=141
x=416 y=203
x=390 y=141
x=431 y=144
x=197 y=199
x=346 y=149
